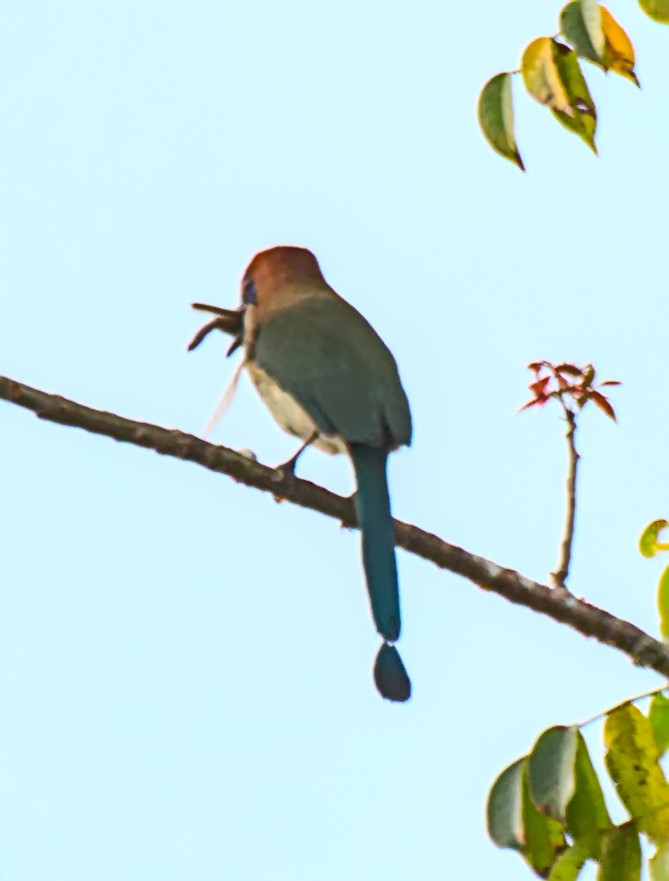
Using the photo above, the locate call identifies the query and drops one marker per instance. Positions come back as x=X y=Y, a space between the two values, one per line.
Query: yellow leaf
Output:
x=658 y=716
x=618 y=49
x=568 y=865
x=542 y=78
x=663 y=604
x=658 y=866
x=656 y=9
x=631 y=759
x=648 y=543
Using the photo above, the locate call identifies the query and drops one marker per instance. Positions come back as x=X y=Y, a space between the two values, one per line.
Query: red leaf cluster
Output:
x=568 y=381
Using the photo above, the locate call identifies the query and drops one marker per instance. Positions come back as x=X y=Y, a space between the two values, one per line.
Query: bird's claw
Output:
x=285 y=474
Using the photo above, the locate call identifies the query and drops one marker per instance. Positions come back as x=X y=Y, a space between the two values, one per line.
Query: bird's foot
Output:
x=287 y=469
x=287 y=481
x=286 y=472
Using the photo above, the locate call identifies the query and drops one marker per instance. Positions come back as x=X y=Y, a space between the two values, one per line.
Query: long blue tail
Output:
x=378 y=537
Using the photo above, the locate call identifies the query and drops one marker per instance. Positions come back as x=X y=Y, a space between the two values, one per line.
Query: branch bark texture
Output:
x=641 y=648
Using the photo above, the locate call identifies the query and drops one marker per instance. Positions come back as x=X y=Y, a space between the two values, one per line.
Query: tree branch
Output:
x=559 y=605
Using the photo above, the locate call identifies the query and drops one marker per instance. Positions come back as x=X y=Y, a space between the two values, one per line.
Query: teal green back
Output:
x=329 y=358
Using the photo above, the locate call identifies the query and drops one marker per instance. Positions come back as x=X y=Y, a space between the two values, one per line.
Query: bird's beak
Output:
x=230 y=321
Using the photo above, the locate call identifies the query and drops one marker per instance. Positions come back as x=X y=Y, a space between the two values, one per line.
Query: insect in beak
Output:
x=230 y=321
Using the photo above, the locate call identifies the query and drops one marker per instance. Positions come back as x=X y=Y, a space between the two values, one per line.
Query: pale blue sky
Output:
x=185 y=665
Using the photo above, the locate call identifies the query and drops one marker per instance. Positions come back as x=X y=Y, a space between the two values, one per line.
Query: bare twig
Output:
x=561 y=574
x=630 y=700
x=558 y=605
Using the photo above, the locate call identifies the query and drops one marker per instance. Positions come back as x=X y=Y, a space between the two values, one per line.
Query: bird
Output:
x=329 y=379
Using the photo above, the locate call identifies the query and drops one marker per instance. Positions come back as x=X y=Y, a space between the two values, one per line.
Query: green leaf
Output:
x=505 y=808
x=663 y=603
x=544 y=837
x=658 y=716
x=656 y=9
x=569 y=864
x=575 y=31
x=515 y=822
x=621 y=855
x=592 y=19
x=551 y=771
x=658 y=866
x=587 y=815
x=583 y=120
x=632 y=762
x=648 y=543
x=542 y=78
x=496 y=117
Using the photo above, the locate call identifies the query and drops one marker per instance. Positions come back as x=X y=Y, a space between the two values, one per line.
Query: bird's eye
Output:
x=249 y=292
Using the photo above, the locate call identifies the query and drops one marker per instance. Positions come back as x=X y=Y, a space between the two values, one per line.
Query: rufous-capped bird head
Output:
x=271 y=276
x=270 y=272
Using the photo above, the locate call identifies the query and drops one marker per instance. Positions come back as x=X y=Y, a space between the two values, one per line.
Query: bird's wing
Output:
x=325 y=355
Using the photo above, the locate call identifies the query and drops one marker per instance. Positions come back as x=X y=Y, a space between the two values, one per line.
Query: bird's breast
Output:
x=292 y=417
